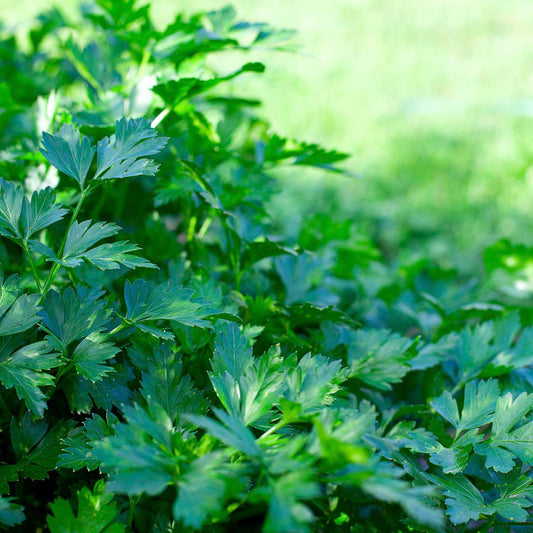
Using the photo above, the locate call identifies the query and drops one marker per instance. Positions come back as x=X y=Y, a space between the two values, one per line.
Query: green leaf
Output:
x=513 y=509
x=313 y=382
x=73 y=315
x=20 y=316
x=18 y=312
x=209 y=482
x=24 y=369
x=431 y=354
x=90 y=357
x=446 y=406
x=11 y=514
x=174 y=92
x=510 y=412
x=140 y=456
x=11 y=200
x=96 y=513
x=37 y=447
x=516 y=493
x=82 y=236
x=505 y=444
x=68 y=153
x=125 y=154
x=78 y=446
x=453 y=459
x=299 y=275
x=464 y=501
x=261 y=249
x=163 y=381
x=338 y=452
x=284 y=496
x=252 y=395
x=112 y=390
x=40 y=212
x=494 y=348
x=379 y=358
x=231 y=431
x=300 y=153
x=232 y=353
x=384 y=485
x=147 y=302
x=479 y=405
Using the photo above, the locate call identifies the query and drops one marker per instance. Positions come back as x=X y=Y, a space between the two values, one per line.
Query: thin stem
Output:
x=131 y=511
x=114 y=331
x=56 y=267
x=147 y=54
x=191 y=229
x=54 y=336
x=458 y=387
x=273 y=429
x=32 y=265
x=234 y=257
x=63 y=370
x=157 y=120
x=204 y=228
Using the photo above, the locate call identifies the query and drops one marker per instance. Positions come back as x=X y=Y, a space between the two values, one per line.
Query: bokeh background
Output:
x=433 y=99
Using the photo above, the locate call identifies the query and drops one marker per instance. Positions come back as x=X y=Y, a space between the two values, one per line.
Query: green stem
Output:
x=204 y=228
x=54 y=336
x=32 y=265
x=234 y=257
x=56 y=267
x=62 y=371
x=191 y=229
x=458 y=387
x=131 y=511
x=114 y=331
x=147 y=54
x=273 y=429
x=157 y=120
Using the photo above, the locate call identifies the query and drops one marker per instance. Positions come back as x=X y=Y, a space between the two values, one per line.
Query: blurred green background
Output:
x=434 y=99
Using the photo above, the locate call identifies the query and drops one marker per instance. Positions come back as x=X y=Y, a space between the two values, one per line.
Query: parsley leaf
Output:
x=125 y=154
x=73 y=315
x=96 y=512
x=379 y=358
x=209 y=482
x=147 y=302
x=82 y=236
x=506 y=444
x=40 y=211
x=479 y=405
x=232 y=353
x=25 y=369
x=18 y=312
x=11 y=200
x=11 y=514
x=69 y=153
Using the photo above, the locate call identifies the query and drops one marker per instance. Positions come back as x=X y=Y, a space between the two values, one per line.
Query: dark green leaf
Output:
x=126 y=153
x=230 y=430
x=11 y=514
x=25 y=370
x=96 y=512
x=147 y=302
x=73 y=315
x=78 y=247
x=68 y=153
